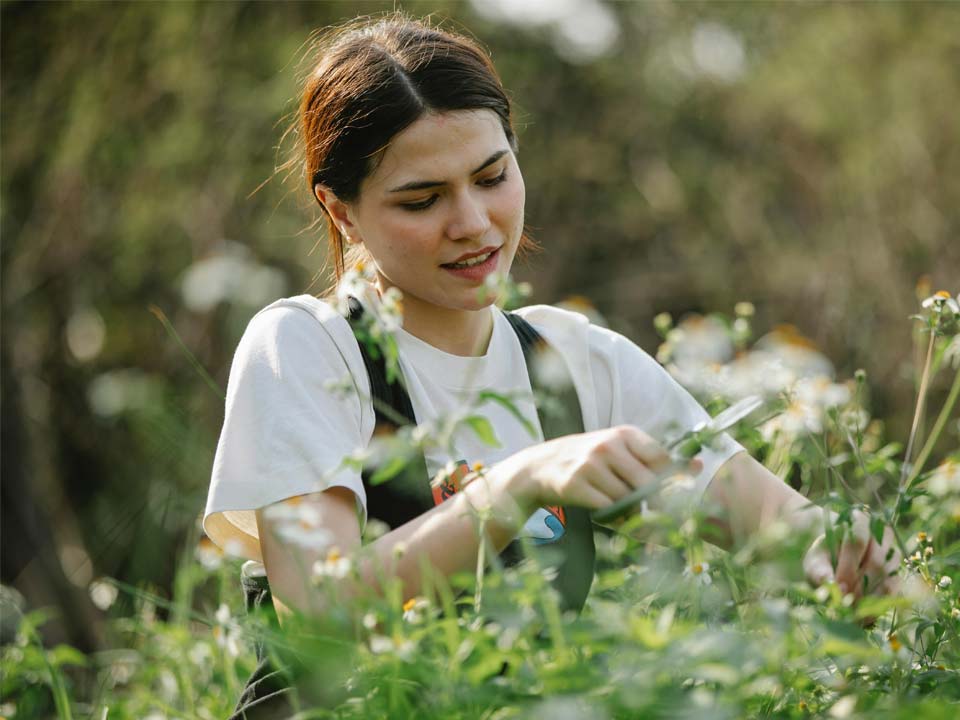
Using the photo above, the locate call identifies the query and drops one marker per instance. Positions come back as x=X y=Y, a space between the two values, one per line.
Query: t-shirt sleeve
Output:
x=285 y=431
x=633 y=389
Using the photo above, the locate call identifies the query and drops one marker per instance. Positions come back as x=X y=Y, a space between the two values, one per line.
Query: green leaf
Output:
x=389 y=469
x=877 y=526
x=66 y=655
x=484 y=430
x=391 y=354
x=508 y=405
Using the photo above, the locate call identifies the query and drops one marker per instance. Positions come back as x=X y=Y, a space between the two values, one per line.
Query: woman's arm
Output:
x=590 y=470
x=447 y=536
x=744 y=497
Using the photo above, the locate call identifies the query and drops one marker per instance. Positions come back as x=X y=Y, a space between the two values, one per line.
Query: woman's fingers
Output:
x=592 y=498
x=602 y=477
x=644 y=448
x=875 y=572
x=850 y=559
x=816 y=563
x=629 y=469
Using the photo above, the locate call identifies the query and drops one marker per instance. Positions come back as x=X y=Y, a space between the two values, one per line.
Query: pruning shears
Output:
x=682 y=450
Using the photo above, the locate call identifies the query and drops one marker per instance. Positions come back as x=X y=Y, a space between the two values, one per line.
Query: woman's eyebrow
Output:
x=423 y=184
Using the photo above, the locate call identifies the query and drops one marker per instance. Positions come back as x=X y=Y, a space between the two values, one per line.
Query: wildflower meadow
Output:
x=760 y=195
x=673 y=627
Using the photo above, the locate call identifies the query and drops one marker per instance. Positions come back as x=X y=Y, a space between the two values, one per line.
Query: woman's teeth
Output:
x=472 y=261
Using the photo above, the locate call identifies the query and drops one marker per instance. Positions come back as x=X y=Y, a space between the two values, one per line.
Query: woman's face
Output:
x=447 y=191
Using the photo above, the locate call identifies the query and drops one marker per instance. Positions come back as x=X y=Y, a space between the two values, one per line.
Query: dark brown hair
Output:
x=374 y=78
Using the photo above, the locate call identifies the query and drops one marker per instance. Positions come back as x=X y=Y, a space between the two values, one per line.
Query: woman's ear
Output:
x=339 y=211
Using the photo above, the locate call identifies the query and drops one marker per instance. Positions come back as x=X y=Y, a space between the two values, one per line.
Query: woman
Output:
x=410 y=152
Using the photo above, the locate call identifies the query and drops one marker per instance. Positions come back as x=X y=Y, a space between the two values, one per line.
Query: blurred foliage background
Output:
x=677 y=156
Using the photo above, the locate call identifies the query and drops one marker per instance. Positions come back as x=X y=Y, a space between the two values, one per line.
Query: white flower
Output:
x=941 y=302
x=121 y=672
x=169 y=689
x=208 y=554
x=200 y=654
x=233 y=548
x=305 y=536
x=375 y=529
x=744 y=309
x=854 y=419
x=380 y=644
x=551 y=370
x=391 y=309
x=945 y=582
x=413 y=610
x=811 y=397
x=231 y=275
x=955 y=613
x=951 y=355
x=300 y=523
x=222 y=614
x=699 y=571
x=335 y=565
x=699 y=341
x=354 y=283
x=821 y=393
x=945 y=479
x=370 y=621
x=227 y=632
x=103 y=594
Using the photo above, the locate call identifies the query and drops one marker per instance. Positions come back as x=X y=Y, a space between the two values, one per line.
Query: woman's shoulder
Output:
x=561 y=325
x=298 y=333
x=300 y=317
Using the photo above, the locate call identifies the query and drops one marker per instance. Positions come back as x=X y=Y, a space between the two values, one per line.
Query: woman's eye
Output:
x=422 y=205
x=490 y=182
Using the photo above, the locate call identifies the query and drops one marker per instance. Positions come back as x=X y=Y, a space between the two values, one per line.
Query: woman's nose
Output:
x=469 y=219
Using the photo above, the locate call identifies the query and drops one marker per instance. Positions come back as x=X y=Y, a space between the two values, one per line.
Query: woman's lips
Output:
x=475 y=272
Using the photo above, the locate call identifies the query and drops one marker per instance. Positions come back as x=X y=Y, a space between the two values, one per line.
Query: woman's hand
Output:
x=863 y=565
x=590 y=470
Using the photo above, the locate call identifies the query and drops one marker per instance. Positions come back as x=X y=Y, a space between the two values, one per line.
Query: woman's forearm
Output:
x=744 y=497
x=446 y=537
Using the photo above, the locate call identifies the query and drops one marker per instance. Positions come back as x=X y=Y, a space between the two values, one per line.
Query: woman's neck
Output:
x=458 y=332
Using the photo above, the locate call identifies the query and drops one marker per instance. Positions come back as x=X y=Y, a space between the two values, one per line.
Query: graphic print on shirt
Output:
x=546 y=525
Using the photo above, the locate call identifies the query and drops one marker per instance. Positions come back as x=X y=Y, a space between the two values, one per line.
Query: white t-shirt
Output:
x=285 y=432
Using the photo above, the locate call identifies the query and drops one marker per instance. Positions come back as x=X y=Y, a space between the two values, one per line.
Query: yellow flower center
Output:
x=333 y=555
x=942 y=294
x=478 y=466
x=697 y=569
x=894 y=643
x=409 y=604
x=922 y=536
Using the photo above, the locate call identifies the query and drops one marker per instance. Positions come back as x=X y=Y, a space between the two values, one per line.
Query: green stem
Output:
x=168 y=326
x=918 y=413
x=60 y=697
x=937 y=429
